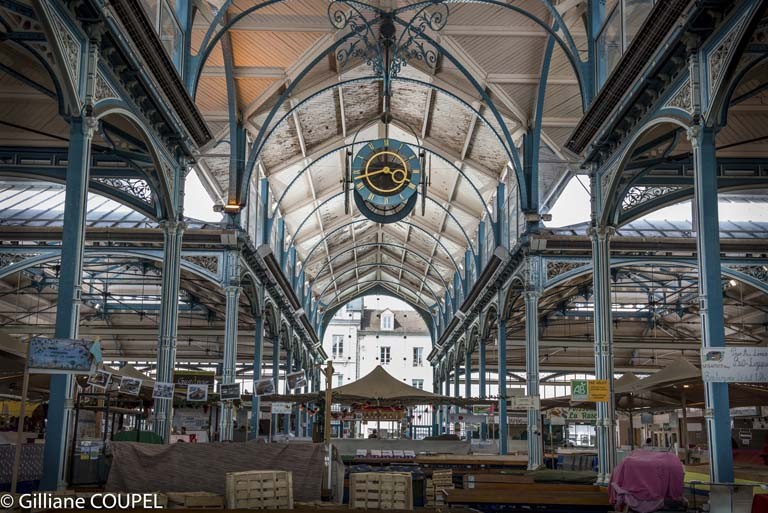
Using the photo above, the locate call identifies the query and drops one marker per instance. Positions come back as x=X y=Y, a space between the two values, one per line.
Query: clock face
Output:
x=385 y=175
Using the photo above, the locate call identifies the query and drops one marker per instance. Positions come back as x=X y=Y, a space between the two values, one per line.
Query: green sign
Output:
x=579 y=390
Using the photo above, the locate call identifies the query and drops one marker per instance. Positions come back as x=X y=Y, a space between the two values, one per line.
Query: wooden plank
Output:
x=532 y=496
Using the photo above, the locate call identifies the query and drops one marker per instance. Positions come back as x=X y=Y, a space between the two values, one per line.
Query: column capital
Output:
x=171 y=226
x=531 y=295
x=602 y=231
x=693 y=133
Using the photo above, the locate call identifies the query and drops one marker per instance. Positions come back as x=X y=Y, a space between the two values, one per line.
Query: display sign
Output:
x=735 y=365
x=296 y=380
x=589 y=390
x=230 y=391
x=281 y=408
x=187 y=377
x=130 y=386
x=264 y=387
x=744 y=411
x=382 y=413
x=646 y=418
x=482 y=409
x=62 y=355
x=197 y=392
x=162 y=390
x=575 y=414
x=524 y=402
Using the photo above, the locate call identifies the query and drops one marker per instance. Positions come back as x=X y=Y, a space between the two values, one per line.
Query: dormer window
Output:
x=387 y=321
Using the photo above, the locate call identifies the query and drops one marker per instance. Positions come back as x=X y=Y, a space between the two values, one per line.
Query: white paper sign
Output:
x=524 y=402
x=281 y=408
x=735 y=365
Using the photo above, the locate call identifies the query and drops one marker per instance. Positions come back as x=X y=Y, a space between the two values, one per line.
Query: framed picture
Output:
x=162 y=390
x=197 y=392
x=264 y=387
x=130 y=386
x=62 y=355
x=100 y=379
x=230 y=391
x=296 y=380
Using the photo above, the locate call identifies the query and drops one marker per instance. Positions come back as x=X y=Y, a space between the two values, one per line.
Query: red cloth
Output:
x=760 y=503
x=644 y=480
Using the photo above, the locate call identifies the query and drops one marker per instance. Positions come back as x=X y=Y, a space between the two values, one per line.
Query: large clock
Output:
x=385 y=177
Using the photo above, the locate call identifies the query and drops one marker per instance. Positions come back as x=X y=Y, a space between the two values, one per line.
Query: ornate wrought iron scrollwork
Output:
x=758 y=272
x=557 y=268
x=209 y=263
x=640 y=194
x=136 y=187
x=11 y=258
x=371 y=47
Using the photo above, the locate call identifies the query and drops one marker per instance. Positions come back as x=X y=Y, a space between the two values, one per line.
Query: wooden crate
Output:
x=260 y=489
x=379 y=490
x=442 y=478
x=194 y=500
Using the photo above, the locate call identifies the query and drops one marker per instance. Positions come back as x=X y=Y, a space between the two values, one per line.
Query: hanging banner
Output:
x=162 y=390
x=100 y=379
x=230 y=391
x=130 y=386
x=264 y=387
x=197 y=392
x=296 y=380
x=62 y=355
x=735 y=365
x=466 y=418
x=589 y=390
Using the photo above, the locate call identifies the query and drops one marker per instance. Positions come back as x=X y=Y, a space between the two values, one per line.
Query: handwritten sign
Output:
x=62 y=355
x=735 y=365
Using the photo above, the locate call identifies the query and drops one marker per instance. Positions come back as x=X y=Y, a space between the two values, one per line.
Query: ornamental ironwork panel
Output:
x=641 y=194
x=135 y=187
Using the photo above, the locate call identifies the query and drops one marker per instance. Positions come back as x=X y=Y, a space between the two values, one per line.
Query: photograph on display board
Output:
x=62 y=355
x=296 y=380
x=162 y=391
x=230 y=391
x=130 y=386
x=265 y=387
x=99 y=379
x=197 y=392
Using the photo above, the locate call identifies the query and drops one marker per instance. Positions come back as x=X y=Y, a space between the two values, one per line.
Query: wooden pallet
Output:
x=493 y=480
x=194 y=500
x=259 y=489
x=379 y=490
x=442 y=478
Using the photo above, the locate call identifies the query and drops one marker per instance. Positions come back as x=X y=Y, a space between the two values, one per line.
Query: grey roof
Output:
x=406 y=321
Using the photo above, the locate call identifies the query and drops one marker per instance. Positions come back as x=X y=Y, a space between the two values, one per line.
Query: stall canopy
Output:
x=379 y=385
x=679 y=382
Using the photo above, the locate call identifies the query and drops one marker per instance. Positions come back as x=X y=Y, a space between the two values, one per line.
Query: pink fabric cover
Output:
x=644 y=480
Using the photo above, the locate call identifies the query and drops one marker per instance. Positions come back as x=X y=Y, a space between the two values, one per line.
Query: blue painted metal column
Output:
x=531 y=297
x=603 y=326
x=436 y=391
x=502 y=334
x=258 y=351
x=275 y=376
x=717 y=412
x=69 y=298
x=288 y=370
x=231 y=315
x=456 y=377
x=468 y=376
x=447 y=394
x=482 y=395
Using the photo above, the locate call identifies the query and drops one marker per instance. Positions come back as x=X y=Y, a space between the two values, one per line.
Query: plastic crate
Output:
x=260 y=489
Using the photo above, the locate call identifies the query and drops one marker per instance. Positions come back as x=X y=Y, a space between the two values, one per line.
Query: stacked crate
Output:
x=260 y=489
x=378 y=490
x=430 y=494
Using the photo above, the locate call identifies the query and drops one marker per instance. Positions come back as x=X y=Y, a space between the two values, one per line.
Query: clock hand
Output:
x=372 y=173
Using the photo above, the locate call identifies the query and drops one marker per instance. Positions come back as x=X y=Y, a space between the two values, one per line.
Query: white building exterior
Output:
x=359 y=338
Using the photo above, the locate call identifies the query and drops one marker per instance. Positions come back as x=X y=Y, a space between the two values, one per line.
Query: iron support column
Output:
x=275 y=377
x=232 y=295
x=482 y=395
x=717 y=412
x=468 y=376
x=286 y=391
x=436 y=391
x=603 y=324
x=447 y=394
x=69 y=298
x=535 y=448
x=258 y=351
x=502 y=334
x=456 y=377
